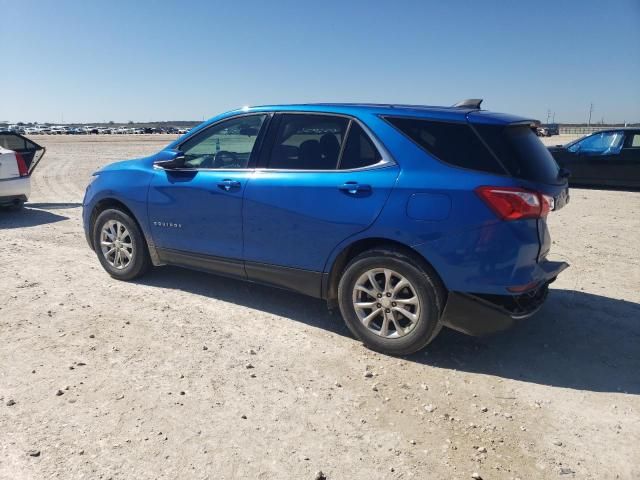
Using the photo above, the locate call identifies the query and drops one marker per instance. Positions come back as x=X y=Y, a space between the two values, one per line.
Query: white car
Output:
x=18 y=158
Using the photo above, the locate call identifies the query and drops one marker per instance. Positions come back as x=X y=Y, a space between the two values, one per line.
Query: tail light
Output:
x=22 y=165
x=511 y=203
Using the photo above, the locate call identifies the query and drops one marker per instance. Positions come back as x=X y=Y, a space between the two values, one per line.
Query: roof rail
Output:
x=469 y=103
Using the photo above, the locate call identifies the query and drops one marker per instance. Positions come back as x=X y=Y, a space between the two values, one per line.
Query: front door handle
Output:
x=228 y=185
x=354 y=188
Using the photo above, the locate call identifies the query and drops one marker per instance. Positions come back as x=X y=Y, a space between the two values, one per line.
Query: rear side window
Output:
x=359 y=151
x=453 y=143
x=308 y=142
x=521 y=152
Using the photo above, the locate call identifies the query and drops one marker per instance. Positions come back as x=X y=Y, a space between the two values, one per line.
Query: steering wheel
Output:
x=224 y=158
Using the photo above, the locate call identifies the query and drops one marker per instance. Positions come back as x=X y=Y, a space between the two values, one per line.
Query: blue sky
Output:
x=85 y=61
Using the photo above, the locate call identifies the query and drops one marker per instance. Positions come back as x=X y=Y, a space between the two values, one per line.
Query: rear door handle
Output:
x=228 y=185
x=353 y=188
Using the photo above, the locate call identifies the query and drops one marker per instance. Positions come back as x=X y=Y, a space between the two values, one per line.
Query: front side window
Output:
x=308 y=142
x=603 y=143
x=228 y=144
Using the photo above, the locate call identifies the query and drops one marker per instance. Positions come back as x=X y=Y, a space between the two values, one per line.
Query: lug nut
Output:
x=378 y=305
x=387 y=310
x=379 y=295
x=393 y=304
x=388 y=294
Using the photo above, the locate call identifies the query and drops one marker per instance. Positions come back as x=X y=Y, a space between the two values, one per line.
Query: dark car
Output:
x=605 y=158
x=548 y=130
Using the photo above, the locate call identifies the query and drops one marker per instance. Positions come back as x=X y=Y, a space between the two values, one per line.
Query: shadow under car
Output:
x=578 y=340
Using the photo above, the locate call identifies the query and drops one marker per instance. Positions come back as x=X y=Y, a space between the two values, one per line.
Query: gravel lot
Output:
x=187 y=375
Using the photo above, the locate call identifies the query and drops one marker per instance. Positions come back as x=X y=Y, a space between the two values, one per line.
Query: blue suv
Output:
x=409 y=218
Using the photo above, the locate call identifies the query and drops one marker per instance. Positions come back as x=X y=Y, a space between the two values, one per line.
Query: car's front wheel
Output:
x=120 y=245
x=390 y=302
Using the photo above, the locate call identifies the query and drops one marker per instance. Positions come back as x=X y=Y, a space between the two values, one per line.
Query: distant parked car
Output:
x=18 y=159
x=605 y=158
x=408 y=218
x=548 y=130
x=58 y=130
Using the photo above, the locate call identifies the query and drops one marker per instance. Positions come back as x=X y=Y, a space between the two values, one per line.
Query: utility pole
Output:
x=590 y=112
x=548 y=115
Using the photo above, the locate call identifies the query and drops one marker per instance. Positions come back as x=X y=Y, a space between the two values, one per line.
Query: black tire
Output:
x=427 y=288
x=15 y=206
x=140 y=263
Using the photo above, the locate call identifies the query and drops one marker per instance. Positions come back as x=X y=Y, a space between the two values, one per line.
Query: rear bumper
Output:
x=481 y=314
x=14 y=188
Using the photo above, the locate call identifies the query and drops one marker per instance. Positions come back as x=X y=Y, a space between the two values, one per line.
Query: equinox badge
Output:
x=167 y=224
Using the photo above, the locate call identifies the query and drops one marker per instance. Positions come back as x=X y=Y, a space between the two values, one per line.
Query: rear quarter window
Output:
x=452 y=143
x=359 y=151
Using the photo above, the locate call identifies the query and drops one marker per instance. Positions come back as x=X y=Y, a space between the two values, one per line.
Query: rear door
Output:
x=30 y=151
x=322 y=179
x=630 y=159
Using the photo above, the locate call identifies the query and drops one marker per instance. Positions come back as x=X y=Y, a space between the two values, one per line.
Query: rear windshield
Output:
x=453 y=143
x=521 y=152
x=17 y=143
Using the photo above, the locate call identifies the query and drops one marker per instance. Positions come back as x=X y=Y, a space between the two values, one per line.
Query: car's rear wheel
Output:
x=390 y=302
x=14 y=206
x=120 y=245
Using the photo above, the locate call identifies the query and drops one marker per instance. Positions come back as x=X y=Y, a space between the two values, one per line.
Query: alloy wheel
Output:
x=116 y=244
x=386 y=303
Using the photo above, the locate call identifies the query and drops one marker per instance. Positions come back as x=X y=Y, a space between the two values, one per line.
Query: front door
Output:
x=195 y=212
x=597 y=158
x=313 y=193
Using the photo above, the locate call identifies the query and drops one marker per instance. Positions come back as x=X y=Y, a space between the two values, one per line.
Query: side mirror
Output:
x=172 y=163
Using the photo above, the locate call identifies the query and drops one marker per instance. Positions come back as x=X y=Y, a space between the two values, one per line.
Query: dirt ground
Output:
x=187 y=375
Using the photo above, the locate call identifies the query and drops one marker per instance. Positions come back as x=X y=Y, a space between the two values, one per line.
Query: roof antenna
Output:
x=469 y=103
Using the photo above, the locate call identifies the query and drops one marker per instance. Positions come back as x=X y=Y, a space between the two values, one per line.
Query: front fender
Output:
x=128 y=187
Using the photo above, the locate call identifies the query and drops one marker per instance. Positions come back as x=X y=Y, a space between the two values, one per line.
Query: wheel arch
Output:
x=332 y=278
x=110 y=202
x=104 y=204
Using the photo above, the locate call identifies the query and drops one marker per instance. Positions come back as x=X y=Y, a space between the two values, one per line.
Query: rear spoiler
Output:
x=469 y=103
